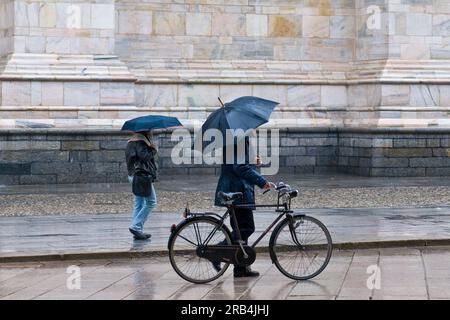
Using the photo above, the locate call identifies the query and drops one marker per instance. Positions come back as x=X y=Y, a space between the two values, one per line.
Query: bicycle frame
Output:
x=231 y=211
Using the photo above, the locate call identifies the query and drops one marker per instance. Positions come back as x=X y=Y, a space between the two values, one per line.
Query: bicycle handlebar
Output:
x=279 y=187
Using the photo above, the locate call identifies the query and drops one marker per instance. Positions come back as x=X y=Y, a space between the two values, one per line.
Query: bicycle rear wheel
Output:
x=301 y=248
x=183 y=249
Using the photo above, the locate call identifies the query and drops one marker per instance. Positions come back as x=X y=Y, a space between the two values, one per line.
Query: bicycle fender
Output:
x=272 y=238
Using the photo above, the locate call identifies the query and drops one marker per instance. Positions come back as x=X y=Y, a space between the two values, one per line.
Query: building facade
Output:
x=371 y=78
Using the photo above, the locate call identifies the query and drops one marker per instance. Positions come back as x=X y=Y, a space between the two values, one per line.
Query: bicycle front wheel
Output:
x=301 y=247
x=183 y=249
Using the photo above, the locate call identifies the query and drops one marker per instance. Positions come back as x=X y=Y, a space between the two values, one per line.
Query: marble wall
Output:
x=419 y=30
x=64 y=27
x=95 y=63
x=234 y=30
x=6 y=26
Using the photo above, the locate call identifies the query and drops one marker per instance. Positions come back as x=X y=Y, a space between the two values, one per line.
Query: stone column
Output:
x=59 y=67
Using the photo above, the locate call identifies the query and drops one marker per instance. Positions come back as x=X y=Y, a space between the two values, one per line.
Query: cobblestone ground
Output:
x=315 y=192
x=405 y=273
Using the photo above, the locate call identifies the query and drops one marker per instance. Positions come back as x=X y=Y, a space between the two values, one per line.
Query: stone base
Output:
x=92 y=156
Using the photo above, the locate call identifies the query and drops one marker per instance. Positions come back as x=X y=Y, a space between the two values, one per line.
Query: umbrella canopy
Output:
x=147 y=123
x=243 y=113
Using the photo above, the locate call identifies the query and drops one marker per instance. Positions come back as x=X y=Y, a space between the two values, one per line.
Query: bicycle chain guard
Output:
x=227 y=254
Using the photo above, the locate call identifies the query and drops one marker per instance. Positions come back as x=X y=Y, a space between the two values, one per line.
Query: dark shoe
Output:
x=243 y=272
x=138 y=235
x=148 y=235
x=217 y=265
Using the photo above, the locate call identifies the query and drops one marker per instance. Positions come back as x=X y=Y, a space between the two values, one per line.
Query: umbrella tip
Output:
x=221 y=102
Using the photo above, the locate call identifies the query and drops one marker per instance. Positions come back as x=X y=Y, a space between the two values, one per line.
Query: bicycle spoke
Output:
x=183 y=254
x=307 y=259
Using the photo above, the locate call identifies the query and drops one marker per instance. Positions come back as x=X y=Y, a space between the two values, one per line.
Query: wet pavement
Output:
x=94 y=218
x=400 y=273
x=209 y=182
x=46 y=235
x=328 y=191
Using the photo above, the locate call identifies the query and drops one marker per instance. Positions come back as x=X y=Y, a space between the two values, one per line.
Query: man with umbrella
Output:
x=142 y=170
x=238 y=172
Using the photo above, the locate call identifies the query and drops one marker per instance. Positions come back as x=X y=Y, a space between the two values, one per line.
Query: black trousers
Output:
x=246 y=224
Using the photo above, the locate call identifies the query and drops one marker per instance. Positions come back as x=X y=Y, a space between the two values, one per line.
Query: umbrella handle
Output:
x=221 y=102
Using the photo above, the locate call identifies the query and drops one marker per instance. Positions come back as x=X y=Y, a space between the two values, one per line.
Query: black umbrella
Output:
x=147 y=123
x=243 y=113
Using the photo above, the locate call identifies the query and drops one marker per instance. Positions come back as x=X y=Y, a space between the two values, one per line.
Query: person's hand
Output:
x=269 y=185
x=258 y=161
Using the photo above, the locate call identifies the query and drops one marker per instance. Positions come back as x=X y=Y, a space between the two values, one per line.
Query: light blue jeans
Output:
x=143 y=207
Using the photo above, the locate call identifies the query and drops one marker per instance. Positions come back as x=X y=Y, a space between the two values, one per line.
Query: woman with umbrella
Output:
x=140 y=156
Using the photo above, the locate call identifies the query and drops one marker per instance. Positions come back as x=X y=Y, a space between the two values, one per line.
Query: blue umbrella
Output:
x=147 y=123
x=243 y=113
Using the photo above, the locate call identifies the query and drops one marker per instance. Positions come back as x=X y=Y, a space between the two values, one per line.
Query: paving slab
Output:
x=153 y=278
x=65 y=235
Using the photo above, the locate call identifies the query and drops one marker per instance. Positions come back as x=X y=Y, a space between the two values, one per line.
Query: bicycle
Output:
x=201 y=247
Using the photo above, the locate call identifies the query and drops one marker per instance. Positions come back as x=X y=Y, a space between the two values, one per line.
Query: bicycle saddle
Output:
x=229 y=196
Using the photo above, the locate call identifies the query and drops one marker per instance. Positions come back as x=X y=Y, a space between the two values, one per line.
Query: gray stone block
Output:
x=346 y=151
x=165 y=142
x=107 y=156
x=113 y=144
x=325 y=141
x=445 y=142
x=303 y=169
x=82 y=178
x=440 y=152
x=321 y=151
x=165 y=152
x=433 y=143
x=389 y=162
x=56 y=168
x=15 y=168
x=27 y=137
x=38 y=179
x=30 y=145
x=361 y=143
x=429 y=162
x=438 y=172
x=120 y=177
x=33 y=156
x=397 y=172
x=80 y=145
x=168 y=163
x=342 y=161
x=364 y=162
x=354 y=161
x=289 y=142
x=325 y=169
x=100 y=167
x=292 y=151
x=408 y=152
x=78 y=156
x=382 y=143
x=326 y=161
x=9 y=180
x=410 y=143
x=67 y=137
x=300 y=161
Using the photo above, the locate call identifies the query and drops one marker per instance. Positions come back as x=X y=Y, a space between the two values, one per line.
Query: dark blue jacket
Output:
x=239 y=178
